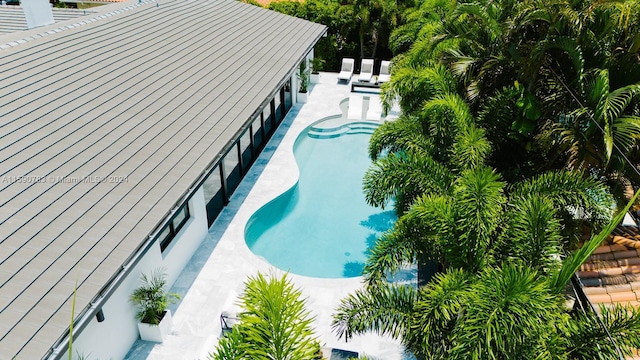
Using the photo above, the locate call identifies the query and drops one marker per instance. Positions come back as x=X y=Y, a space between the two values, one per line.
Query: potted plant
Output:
x=316 y=65
x=303 y=77
x=152 y=300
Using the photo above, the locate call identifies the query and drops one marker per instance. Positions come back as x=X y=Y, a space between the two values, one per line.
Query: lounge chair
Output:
x=385 y=71
x=228 y=321
x=346 y=71
x=366 y=70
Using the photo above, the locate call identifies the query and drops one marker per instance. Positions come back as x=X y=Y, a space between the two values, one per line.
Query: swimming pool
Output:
x=322 y=227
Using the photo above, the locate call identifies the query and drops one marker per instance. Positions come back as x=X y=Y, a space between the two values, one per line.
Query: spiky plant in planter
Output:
x=151 y=298
x=303 y=76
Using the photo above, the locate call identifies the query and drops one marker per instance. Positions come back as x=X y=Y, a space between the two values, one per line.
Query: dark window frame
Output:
x=174 y=229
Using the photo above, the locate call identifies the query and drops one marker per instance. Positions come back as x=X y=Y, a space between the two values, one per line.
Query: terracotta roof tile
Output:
x=612 y=274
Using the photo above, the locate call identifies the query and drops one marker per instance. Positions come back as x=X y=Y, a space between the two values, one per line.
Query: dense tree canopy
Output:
x=518 y=118
x=553 y=83
x=356 y=28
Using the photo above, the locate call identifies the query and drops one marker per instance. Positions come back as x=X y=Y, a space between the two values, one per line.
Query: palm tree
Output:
x=420 y=153
x=521 y=66
x=601 y=130
x=274 y=324
x=511 y=311
x=480 y=221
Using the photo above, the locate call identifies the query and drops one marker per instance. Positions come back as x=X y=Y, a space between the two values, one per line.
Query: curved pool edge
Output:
x=287 y=155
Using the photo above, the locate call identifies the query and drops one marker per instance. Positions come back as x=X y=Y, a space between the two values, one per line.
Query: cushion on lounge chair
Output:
x=346 y=71
x=366 y=70
x=385 y=71
x=228 y=320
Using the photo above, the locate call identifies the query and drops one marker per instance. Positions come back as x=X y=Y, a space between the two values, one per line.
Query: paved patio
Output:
x=215 y=276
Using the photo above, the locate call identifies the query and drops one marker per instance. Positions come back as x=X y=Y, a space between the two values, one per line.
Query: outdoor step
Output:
x=328 y=129
x=326 y=134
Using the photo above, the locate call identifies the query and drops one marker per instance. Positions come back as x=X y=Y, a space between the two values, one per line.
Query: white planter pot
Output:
x=315 y=78
x=302 y=97
x=156 y=333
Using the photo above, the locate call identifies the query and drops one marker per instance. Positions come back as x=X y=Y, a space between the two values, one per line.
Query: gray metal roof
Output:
x=152 y=94
x=12 y=17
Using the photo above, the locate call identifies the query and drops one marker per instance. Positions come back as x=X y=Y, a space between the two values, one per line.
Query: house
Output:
x=122 y=136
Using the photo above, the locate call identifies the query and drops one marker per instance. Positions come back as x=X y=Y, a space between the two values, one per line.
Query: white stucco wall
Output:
x=112 y=338
x=188 y=239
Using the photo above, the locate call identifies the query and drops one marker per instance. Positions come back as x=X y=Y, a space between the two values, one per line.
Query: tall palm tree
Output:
x=511 y=311
x=480 y=221
x=274 y=324
x=420 y=153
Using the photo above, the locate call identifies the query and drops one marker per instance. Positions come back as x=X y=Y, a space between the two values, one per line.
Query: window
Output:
x=258 y=134
x=278 y=107
x=268 y=120
x=173 y=227
x=288 y=101
x=246 y=150
x=231 y=165
x=213 y=194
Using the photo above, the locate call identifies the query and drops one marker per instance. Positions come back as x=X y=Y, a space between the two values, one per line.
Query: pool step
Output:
x=358 y=127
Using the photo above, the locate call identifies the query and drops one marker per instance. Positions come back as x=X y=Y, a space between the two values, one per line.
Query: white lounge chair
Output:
x=385 y=71
x=366 y=70
x=346 y=71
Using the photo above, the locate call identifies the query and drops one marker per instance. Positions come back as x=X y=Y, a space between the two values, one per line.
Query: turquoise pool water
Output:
x=322 y=227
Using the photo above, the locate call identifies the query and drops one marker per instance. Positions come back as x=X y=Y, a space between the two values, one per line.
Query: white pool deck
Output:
x=215 y=276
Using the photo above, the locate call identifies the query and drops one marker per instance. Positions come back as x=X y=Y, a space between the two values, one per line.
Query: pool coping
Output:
x=328 y=128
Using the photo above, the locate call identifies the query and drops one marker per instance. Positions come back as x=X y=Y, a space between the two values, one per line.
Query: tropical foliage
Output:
x=274 y=324
x=554 y=84
x=474 y=222
x=356 y=28
x=513 y=311
x=512 y=137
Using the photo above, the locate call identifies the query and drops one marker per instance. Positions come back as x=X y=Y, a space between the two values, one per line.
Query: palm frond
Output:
x=275 y=321
x=626 y=131
x=573 y=262
x=384 y=310
x=470 y=149
x=405 y=173
x=508 y=313
x=534 y=237
x=404 y=134
x=588 y=340
x=446 y=114
x=436 y=314
x=569 y=190
x=479 y=202
x=420 y=232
